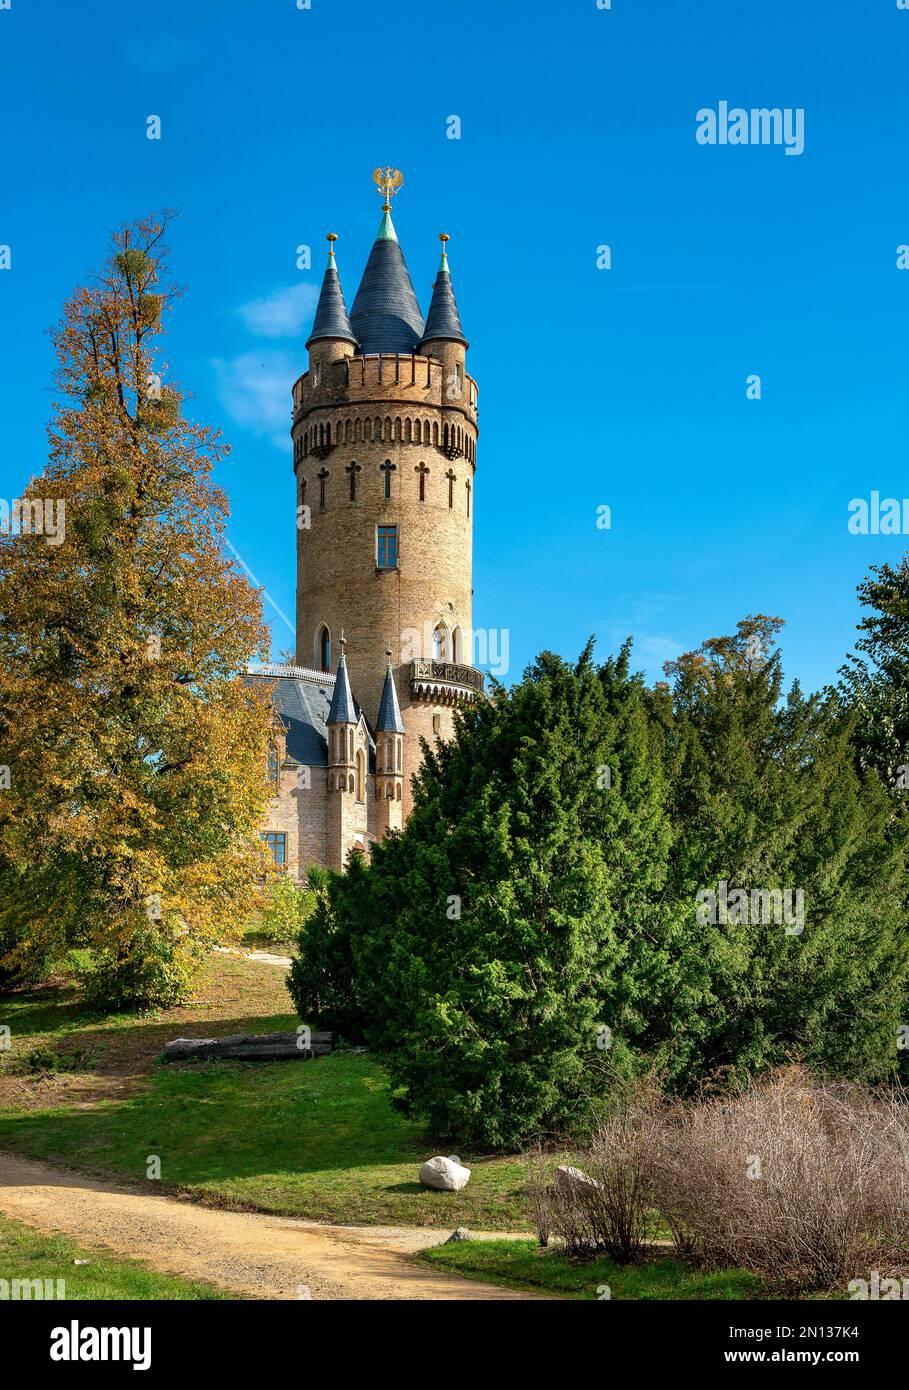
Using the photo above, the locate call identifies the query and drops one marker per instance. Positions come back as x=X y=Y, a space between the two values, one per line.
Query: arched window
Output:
x=361 y=776
x=350 y=747
x=456 y=645
x=323 y=648
x=400 y=745
x=440 y=644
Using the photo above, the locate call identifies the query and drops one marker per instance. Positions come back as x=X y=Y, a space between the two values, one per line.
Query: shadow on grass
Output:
x=217 y=1120
x=115 y=1045
x=318 y=1139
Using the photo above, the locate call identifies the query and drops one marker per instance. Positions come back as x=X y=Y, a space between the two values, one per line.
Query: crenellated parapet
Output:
x=386 y=398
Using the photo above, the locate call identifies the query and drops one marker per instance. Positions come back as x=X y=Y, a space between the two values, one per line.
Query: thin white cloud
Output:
x=653 y=651
x=255 y=390
x=281 y=314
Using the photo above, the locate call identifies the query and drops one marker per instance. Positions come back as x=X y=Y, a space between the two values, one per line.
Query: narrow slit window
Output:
x=388 y=468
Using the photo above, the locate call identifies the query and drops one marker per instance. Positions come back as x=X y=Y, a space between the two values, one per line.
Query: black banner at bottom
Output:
x=286 y=1338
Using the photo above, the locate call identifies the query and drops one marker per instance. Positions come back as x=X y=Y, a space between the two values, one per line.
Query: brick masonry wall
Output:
x=338 y=582
x=321 y=825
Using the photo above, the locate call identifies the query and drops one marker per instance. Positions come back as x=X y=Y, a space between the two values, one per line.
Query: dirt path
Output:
x=251 y=1254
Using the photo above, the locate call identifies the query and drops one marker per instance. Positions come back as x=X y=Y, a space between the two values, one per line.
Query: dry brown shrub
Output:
x=802 y=1181
x=797 y=1179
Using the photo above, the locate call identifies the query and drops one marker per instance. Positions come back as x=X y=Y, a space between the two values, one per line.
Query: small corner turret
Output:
x=389 y=756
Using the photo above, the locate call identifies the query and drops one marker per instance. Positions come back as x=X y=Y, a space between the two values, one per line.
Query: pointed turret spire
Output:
x=390 y=721
x=343 y=710
x=385 y=315
x=331 y=320
x=443 y=320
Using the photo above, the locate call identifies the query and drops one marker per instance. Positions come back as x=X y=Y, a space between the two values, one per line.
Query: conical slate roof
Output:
x=331 y=319
x=390 y=720
x=385 y=315
x=443 y=319
x=343 y=710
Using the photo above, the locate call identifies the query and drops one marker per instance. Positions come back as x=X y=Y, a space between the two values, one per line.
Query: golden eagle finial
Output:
x=387 y=181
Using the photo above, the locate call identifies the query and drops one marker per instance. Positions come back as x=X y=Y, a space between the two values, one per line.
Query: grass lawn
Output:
x=27 y=1254
x=317 y=1139
x=521 y=1264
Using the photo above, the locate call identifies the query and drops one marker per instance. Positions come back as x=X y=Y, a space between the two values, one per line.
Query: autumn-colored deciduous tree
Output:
x=136 y=752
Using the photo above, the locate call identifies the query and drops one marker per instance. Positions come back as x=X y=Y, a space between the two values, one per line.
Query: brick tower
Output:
x=384 y=433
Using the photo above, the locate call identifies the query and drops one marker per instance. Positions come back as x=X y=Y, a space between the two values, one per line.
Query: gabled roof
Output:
x=443 y=319
x=331 y=319
x=386 y=316
x=302 y=704
x=390 y=720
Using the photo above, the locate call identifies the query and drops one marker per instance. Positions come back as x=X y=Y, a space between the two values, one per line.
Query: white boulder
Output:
x=444 y=1175
x=573 y=1179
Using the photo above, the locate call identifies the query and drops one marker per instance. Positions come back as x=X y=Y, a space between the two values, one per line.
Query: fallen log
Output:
x=250 y=1047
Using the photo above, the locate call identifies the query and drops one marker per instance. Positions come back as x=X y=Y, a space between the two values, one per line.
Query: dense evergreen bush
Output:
x=536 y=929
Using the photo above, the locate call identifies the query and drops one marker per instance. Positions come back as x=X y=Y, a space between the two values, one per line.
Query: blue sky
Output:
x=622 y=387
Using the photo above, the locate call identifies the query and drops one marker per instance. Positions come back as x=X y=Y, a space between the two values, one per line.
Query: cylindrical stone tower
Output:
x=385 y=432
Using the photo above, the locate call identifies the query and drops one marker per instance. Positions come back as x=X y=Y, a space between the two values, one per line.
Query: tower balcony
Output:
x=445 y=682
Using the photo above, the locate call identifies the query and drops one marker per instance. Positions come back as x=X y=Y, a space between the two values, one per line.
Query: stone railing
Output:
x=276 y=668
x=445 y=682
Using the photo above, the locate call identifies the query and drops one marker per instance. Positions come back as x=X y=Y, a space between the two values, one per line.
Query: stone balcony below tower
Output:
x=445 y=682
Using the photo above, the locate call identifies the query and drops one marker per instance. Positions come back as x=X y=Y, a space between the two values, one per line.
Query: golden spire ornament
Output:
x=388 y=182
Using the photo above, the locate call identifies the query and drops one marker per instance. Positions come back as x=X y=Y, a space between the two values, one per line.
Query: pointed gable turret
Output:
x=390 y=721
x=343 y=710
x=331 y=320
x=389 y=757
x=443 y=322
